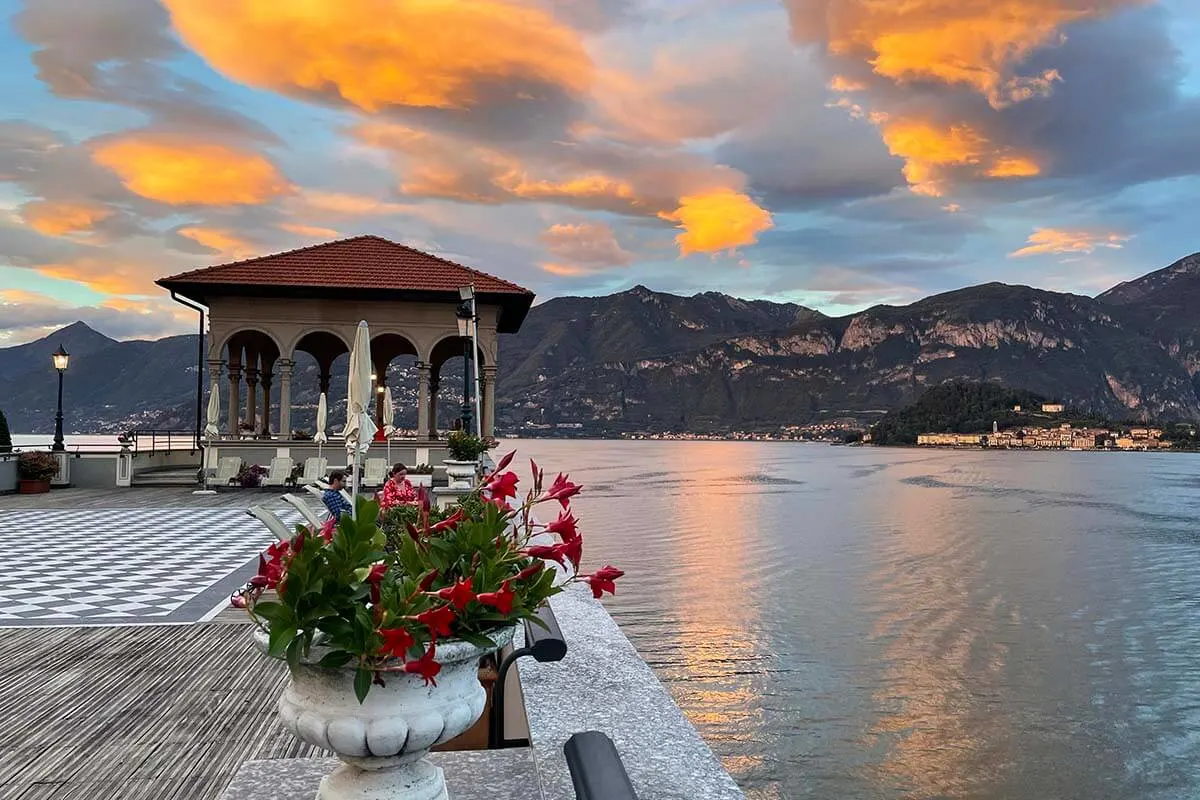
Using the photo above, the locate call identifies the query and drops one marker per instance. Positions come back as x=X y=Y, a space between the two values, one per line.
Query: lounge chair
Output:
x=274 y=524
x=306 y=511
x=375 y=472
x=315 y=469
x=227 y=470
x=280 y=473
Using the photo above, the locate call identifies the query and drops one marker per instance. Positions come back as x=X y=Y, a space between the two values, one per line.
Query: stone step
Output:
x=181 y=476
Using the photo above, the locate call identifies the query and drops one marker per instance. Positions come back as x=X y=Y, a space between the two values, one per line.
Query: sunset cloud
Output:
x=722 y=220
x=931 y=153
x=583 y=247
x=60 y=219
x=441 y=54
x=309 y=231
x=219 y=241
x=178 y=171
x=1052 y=241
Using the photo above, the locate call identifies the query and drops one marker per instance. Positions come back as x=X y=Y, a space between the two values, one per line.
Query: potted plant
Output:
x=421 y=475
x=34 y=471
x=383 y=647
x=251 y=476
x=463 y=464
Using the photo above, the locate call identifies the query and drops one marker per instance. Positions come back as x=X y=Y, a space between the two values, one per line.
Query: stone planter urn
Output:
x=383 y=742
x=461 y=474
x=25 y=486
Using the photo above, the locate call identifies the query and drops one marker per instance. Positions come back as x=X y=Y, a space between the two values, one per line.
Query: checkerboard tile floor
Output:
x=93 y=566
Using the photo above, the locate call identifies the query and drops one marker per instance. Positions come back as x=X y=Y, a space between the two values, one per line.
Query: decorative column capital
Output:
x=489 y=372
x=286 y=365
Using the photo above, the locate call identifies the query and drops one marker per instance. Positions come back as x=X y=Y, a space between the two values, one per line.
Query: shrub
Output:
x=421 y=469
x=465 y=447
x=250 y=476
x=5 y=436
x=37 y=465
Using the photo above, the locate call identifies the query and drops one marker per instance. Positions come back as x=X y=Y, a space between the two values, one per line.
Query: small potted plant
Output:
x=34 y=471
x=383 y=632
x=251 y=476
x=463 y=464
x=421 y=475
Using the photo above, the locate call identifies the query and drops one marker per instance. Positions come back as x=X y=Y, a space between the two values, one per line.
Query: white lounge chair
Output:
x=306 y=511
x=227 y=470
x=375 y=472
x=314 y=469
x=280 y=472
x=274 y=524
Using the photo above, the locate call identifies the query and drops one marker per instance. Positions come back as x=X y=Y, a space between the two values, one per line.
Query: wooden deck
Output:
x=135 y=713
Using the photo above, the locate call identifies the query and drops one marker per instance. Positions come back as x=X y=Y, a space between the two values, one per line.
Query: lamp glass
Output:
x=466 y=292
x=60 y=359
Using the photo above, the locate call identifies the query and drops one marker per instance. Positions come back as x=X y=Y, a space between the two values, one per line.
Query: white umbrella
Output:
x=212 y=427
x=389 y=417
x=322 y=417
x=359 y=427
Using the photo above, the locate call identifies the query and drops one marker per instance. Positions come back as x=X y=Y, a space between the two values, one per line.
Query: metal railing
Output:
x=545 y=645
x=596 y=769
x=159 y=441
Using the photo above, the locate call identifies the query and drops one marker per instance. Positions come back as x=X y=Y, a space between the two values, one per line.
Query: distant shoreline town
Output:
x=1062 y=437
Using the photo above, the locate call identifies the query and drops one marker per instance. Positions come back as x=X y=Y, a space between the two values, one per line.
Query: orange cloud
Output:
x=223 y=242
x=104 y=276
x=179 y=171
x=718 y=220
x=374 y=55
x=593 y=188
x=931 y=153
x=583 y=247
x=979 y=44
x=59 y=219
x=562 y=270
x=311 y=231
x=347 y=204
x=1048 y=241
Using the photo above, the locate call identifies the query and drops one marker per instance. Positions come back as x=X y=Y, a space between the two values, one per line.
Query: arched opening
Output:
x=394 y=358
x=322 y=360
x=449 y=371
x=251 y=356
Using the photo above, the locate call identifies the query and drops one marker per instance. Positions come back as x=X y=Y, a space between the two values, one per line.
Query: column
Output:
x=422 y=398
x=235 y=398
x=266 y=379
x=433 y=404
x=487 y=379
x=285 y=398
x=251 y=394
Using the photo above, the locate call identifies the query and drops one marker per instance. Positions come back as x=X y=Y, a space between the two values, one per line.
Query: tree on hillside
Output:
x=5 y=436
x=957 y=407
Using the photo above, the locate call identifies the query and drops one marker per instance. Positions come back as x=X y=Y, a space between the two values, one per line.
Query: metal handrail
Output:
x=596 y=768
x=161 y=439
x=545 y=645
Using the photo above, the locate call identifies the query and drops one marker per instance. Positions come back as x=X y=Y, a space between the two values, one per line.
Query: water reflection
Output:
x=867 y=624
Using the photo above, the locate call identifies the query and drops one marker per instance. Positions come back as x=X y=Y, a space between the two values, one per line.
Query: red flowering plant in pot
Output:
x=383 y=635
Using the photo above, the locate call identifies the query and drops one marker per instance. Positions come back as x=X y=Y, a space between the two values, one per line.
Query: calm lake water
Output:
x=863 y=623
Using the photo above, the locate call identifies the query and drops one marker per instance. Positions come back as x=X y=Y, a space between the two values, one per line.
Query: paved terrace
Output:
x=124 y=675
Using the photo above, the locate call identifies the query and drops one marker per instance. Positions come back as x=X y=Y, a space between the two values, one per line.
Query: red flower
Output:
x=238 y=601
x=425 y=666
x=573 y=550
x=505 y=461
x=528 y=572
x=500 y=503
x=377 y=573
x=561 y=490
x=438 y=620
x=564 y=526
x=428 y=580
x=449 y=523
x=502 y=485
x=396 y=642
x=602 y=580
x=459 y=594
x=552 y=552
x=501 y=600
x=327 y=529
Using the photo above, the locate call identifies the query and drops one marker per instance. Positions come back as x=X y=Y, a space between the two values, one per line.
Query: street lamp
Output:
x=464 y=315
x=467 y=294
x=61 y=357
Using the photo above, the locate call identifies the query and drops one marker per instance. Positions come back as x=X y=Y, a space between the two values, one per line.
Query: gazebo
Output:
x=263 y=311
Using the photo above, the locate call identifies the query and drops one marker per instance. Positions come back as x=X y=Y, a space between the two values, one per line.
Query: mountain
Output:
x=1166 y=305
x=646 y=360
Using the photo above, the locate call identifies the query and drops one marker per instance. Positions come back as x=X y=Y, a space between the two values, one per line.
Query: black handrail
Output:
x=545 y=645
x=596 y=768
x=157 y=440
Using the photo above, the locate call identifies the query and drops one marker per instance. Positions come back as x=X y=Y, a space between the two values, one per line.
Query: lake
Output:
x=875 y=623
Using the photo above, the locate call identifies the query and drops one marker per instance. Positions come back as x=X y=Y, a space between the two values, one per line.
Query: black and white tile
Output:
x=132 y=566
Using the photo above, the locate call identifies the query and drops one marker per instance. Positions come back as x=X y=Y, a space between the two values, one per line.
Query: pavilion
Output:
x=263 y=311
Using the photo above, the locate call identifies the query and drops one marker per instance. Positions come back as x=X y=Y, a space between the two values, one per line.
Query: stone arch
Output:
x=451 y=346
x=244 y=334
x=318 y=338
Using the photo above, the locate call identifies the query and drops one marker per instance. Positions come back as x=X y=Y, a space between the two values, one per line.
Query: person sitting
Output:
x=397 y=490
x=332 y=498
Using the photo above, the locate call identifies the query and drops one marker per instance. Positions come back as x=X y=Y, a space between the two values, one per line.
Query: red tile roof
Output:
x=361 y=262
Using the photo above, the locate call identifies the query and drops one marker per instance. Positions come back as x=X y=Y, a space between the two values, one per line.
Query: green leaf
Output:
x=477 y=639
x=335 y=659
x=272 y=611
x=362 y=683
x=294 y=649
x=279 y=639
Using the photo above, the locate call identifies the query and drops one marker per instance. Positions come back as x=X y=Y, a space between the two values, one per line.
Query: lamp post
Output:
x=60 y=357
x=463 y=314
x=467 y=294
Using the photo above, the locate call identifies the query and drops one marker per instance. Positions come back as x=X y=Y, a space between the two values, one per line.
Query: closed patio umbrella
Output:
x=322 y=418
x=389 y=417
x=212 y=427
x=359 y=427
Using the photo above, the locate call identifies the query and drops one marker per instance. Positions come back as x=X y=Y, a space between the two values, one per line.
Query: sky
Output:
x=834 y=153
